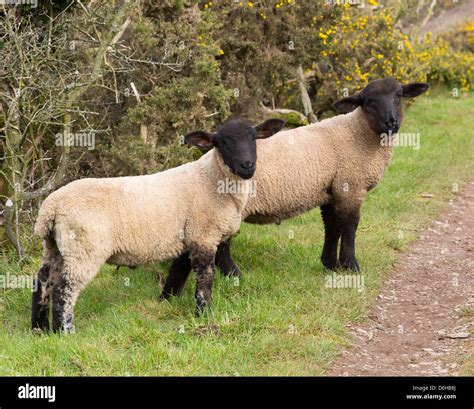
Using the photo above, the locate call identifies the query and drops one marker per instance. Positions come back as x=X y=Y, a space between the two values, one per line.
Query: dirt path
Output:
x=417 y=325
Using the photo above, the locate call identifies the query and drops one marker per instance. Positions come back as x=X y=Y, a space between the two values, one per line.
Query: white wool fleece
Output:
x=336 y=160
x=136 y=220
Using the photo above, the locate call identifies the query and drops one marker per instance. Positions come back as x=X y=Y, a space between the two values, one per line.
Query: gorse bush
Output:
x=359 y=47
x=247 y=53
x=462 y=37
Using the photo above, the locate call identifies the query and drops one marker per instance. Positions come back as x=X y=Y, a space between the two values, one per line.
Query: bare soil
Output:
x=419 y=324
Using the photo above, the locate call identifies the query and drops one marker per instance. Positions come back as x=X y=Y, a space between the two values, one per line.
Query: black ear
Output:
x=200 y=139
x=414 y=89
x=348 y=104
x=269 y=128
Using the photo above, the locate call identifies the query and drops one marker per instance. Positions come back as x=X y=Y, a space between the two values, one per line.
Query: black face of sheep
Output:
x=381 y=100
x=235 y=141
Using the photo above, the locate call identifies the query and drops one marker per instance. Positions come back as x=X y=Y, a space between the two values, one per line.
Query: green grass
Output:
x=467 y=363
x=279 y=319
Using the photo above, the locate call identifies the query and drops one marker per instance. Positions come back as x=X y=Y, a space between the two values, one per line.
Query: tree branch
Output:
x=305 y=99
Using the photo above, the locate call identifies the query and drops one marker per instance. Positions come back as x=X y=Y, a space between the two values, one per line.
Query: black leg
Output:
x=331 y=237
x=63 y=306
x=203 y=265
x=224 y=260
x=177 y=276
x=41 y=299
x=348 y=225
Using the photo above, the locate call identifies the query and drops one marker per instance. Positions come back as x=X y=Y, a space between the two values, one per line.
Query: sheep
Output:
x=331 y=164
x=136 y=220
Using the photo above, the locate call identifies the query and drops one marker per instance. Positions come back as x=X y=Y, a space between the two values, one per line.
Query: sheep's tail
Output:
x=45 y=221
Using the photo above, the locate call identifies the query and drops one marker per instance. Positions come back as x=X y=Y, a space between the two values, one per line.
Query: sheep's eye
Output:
x=399 y=94
x=370 y=102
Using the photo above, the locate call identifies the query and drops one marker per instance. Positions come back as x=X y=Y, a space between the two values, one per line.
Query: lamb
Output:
x=135 y=220
x=331 y=164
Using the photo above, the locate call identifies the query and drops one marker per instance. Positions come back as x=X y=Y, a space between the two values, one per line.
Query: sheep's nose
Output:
x=247 y=165
x=391 y=123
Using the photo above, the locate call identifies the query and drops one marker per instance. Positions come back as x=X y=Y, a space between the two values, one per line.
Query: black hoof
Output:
x=352 y=265
x=39 y=331
x=201 y=311
x=202 y=307
x=330 y=264
x=65 y=330
x=41 y=323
